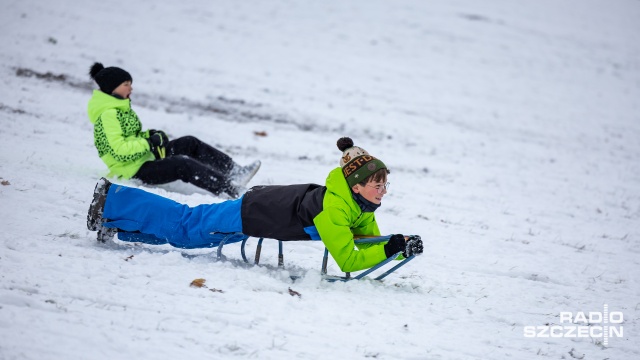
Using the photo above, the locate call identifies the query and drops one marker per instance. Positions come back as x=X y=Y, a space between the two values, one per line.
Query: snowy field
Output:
x=511 y=128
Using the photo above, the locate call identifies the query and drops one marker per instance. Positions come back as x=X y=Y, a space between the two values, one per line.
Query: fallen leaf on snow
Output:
x=294 y=293
x=198 y=283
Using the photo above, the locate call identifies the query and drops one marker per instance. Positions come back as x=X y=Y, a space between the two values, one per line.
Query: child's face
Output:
x=124 y=90
x=372 y=191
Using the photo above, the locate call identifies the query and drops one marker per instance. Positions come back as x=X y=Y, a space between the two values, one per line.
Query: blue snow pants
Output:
x=145 y=217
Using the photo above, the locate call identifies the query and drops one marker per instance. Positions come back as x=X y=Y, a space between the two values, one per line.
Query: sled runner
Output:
x=229 y=238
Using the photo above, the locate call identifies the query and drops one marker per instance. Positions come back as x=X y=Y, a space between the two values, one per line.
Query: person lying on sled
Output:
x=333 y=213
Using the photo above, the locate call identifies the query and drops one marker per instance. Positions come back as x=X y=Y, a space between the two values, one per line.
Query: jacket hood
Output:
x=337 y=184
x=101 y=102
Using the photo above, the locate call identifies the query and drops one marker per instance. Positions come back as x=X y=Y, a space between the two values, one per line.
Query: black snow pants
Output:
x=193 y=161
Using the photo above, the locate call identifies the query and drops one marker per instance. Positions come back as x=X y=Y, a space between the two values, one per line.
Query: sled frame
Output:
x=325 y=258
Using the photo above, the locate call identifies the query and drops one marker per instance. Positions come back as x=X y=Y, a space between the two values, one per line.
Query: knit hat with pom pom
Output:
x=357 y=165
x=108 y=79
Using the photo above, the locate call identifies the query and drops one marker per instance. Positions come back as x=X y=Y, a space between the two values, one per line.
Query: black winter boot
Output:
x=105 y=234
x=94 y=216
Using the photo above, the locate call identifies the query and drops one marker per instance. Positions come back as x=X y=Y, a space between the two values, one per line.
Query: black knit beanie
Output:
x=108 y=79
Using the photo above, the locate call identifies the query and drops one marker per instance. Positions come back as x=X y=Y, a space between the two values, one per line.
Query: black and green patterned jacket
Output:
x=118 y=135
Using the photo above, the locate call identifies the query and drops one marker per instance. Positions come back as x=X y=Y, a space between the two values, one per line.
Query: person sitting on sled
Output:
x=333 y=213
x=149 y=155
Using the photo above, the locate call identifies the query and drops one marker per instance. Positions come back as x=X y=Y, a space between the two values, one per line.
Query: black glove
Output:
x=395 y=245
x=165 y=138
x=414 y=246
x=157 y=140
x=156 y=145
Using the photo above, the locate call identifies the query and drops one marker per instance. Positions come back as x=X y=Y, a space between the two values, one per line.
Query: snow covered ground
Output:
x=511 y=128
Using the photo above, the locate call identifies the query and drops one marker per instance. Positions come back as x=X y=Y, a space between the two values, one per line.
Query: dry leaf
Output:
x=198 y=283
x=294 y=293
x=128 y=258
x=260 y=133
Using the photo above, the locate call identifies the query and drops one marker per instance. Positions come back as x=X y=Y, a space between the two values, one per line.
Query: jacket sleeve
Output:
x=370 y=228
x=334 y=228
x=367 y=228
x=120 y=147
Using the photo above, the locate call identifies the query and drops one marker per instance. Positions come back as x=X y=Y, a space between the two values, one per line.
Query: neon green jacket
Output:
x=118 y=135
x=340 y=219
x=314 y=212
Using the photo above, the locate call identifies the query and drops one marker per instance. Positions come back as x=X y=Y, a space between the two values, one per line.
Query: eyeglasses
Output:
x=380 y=188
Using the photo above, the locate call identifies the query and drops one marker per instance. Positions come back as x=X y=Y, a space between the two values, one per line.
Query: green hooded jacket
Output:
x=313 y=212
x=118 y=135
x=340 y=220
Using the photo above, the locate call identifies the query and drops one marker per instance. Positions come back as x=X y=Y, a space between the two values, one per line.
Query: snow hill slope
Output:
x=511 y=129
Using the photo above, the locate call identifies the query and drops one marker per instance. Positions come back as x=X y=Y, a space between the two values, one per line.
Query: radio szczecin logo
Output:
x=594 y=324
